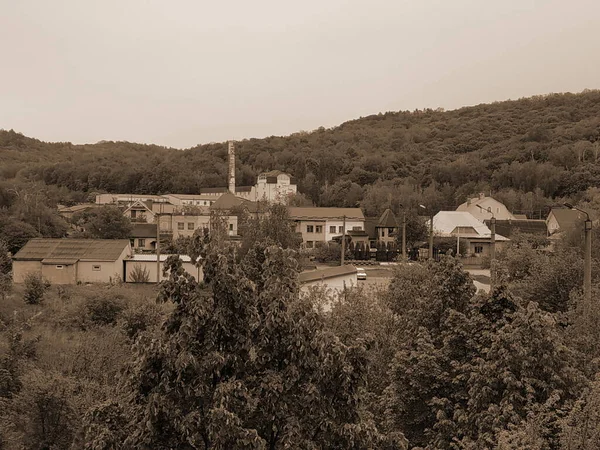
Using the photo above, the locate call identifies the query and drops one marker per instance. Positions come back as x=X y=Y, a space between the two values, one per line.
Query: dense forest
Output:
x=547 y=145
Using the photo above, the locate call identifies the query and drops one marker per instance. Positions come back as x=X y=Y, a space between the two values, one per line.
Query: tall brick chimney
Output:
x=231 y=174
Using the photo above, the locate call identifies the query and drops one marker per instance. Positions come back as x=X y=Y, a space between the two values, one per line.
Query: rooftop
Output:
x=72 y=249
x=317 y=213
x=323 y=274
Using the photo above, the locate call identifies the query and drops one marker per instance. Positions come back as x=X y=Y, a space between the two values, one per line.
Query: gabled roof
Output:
x=76 y=208
x=509 y=227
x=72 y=249
x=324 y=274
x=566 y=218
x=139 y=204
x=445 y=224
x=387 y=220
x=143 y=230
x=228 y=201
x=317 y=213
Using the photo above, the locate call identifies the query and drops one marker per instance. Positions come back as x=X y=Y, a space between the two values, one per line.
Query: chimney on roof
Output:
x=481 y=195
x=231 y=173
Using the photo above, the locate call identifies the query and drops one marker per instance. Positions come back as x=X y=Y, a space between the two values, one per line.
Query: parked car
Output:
x=361 y=274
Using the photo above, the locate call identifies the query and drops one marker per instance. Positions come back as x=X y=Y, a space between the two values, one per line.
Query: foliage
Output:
x=138 y=318
x=245 y=364
x=105 y=309
x=328 y=253
x=105 y=222
x=470 y=367
x=35 y=288
x=139 y=274
x=581 y=428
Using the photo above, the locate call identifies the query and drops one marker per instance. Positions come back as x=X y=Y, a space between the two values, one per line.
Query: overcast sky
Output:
x=184 y=72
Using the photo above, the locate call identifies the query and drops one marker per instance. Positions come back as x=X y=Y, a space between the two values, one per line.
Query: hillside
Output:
x=549 y=143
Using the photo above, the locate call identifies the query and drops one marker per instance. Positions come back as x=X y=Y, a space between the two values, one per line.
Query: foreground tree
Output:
x=245 y=363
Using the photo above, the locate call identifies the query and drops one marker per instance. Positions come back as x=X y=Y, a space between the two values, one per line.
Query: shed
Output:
x=68 y=261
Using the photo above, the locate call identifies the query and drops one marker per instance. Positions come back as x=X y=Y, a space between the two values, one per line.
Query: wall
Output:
x=150 y=266
x=314 y=236
x=552 y=224
x=66 y=275
x=22 y=268
x=108 y=270
x=338 y=223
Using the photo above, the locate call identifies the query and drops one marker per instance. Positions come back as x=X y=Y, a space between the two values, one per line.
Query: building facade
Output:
x=322 y=225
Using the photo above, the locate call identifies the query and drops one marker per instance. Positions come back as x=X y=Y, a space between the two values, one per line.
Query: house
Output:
x=336 y=278
x=274 y=186
x=483 y=208
x=146 y=265
x=127 y=199
x=509 y=227
x=323 y=224
x=463 y=225
x=384 y=228
x=143 y=237
x=70 y=261
x=140 y=212
x=191 y=199
x=560 y=220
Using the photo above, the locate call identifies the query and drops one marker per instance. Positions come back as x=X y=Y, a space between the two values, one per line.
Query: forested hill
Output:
x=549 y=143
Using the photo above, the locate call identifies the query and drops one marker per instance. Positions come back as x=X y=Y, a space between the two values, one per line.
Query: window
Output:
x=309 y=244
x=180 y=226
x=357 y=228
x=479 y=249
x=133 y=213
x=141 y=242
x=59 y=267
x=230 y=227
x=332 y=229
x=96 y=267
x=190 y=225
x=318 y=228
x=310 y=229
x=340 y=229
x=383 y=232
x=132 y=242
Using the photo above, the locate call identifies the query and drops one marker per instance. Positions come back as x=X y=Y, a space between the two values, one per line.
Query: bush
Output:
x=104 y=310
x=136 y=319
x=139 y=274
x=35 y=288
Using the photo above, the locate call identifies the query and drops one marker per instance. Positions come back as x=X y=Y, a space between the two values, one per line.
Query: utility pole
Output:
x=431 y=236
x=343 y=241
x=158 y=248
x=404 y=236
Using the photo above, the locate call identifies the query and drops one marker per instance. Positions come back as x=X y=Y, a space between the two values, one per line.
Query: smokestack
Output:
x=231 y=168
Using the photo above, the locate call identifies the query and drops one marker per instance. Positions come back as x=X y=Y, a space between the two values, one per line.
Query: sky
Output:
x=185 y=72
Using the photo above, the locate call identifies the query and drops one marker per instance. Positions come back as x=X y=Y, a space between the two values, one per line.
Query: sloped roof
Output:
x=318 y=213
x=228 y=201
x=213 y=190
x=509 y=227
x=370 y=224
x=143 y=230
x=69 y=249
x=388 y=220
x=566 y=218
x=323 y=274
x=446 y=222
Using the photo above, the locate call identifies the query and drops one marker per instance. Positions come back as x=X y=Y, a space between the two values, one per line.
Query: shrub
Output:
x=138 y=318
x=104 y=310
x=35 y=288
x=139 y=274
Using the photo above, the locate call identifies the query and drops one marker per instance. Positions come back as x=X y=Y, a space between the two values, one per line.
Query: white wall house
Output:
x=323 y=224
x=489 y=206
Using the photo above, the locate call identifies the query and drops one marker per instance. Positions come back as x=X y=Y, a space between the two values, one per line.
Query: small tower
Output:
x=231 y=152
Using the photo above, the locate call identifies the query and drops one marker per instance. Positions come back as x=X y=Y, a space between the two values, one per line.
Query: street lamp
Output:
x=587 y=265
x=430 y=231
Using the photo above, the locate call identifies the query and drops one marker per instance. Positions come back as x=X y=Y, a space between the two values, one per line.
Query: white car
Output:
x=361 y=274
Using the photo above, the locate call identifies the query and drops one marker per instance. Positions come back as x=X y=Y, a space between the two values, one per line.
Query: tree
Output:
x=106 y=222
x=35 y=288
x=245 y=363
x=5 y=270
x=15 y=233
